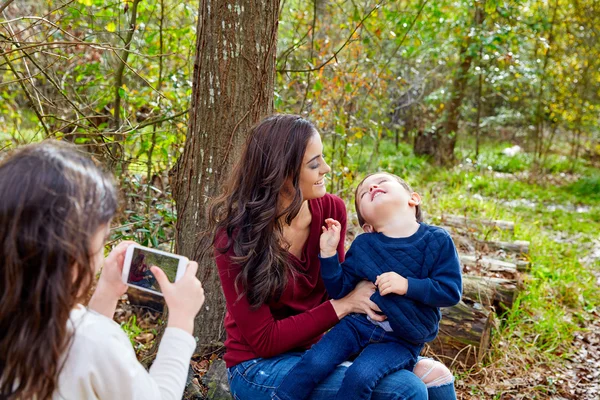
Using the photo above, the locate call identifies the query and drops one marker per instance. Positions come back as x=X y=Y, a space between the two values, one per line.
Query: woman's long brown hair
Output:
x=249 y=211
x=53 y=200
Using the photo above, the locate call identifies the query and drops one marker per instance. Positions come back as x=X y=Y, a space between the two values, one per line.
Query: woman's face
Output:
x=313 y=170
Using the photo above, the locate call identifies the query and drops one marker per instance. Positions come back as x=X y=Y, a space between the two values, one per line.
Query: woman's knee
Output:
x=433 y=373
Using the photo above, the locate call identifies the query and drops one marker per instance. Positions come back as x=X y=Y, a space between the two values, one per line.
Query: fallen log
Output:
x=490 y=292
x=523 y=265
x=488 y=264
x=518 y=246
x=143 y=299
x=464 y=336
x=464 y=222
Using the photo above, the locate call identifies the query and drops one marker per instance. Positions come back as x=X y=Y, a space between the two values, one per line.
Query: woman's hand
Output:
x=358 y=301
x=184 y=297
x=110 y=285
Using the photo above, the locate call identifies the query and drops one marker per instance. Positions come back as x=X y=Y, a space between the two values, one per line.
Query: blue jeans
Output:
x=257 y=379
x=381 y=353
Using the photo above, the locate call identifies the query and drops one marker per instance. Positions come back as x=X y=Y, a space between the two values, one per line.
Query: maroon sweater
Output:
x=301 y=315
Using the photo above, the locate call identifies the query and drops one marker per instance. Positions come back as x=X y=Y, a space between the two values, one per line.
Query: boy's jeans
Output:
x=381 y=353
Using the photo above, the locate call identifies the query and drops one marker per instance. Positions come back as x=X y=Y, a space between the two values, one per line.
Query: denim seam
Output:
x=261 y=387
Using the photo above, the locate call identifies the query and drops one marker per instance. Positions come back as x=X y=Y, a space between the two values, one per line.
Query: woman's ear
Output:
x=368 y=228
x=415 y=199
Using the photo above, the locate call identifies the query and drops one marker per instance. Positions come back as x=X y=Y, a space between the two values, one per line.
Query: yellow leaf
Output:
x=85 y=2
x=111 y=27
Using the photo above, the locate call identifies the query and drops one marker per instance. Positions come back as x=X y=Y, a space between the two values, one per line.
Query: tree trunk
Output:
x=234 y=75
x=440 y=143
x=465 y=333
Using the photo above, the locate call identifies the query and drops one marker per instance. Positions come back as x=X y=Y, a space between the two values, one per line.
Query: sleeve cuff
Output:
x=325 y=315
x=180 y=336
x=417 y=289
x=329 y=265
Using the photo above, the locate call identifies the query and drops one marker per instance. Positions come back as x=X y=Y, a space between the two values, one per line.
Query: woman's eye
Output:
x=314 y=166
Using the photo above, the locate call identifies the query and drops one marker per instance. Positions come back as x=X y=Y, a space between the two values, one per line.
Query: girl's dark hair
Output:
x=361 y=220
x=249 y=211
x=53 y=199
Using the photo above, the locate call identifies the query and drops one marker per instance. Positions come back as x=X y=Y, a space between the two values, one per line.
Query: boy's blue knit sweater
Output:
x=427 y=259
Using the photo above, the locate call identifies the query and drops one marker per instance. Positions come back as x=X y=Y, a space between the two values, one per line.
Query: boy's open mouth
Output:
x=375 y=193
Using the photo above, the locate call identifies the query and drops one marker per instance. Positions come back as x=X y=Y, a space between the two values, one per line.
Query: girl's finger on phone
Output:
x=192 y=268
x=160 y=276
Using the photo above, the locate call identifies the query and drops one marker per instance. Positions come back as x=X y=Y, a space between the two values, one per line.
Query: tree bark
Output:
x=440 y=142
x=459 y=221
x=233 y=86
x=497 y=292
x=465 y=333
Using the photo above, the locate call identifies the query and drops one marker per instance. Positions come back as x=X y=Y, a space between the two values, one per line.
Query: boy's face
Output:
x=381 y=196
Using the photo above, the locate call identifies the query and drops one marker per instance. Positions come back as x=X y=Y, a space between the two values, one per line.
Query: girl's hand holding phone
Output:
x=110 y=278
x=184 y=297
x=110 y=286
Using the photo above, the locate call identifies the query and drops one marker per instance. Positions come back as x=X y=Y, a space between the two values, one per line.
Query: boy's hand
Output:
x=330 y=238
x=391 y=282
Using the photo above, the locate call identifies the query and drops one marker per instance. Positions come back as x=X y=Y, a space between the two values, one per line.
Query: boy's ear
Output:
x=415 y=199
x=368 y=228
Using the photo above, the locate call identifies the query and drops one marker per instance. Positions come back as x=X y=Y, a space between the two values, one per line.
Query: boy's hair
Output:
x=53 y=200
x=361 y=220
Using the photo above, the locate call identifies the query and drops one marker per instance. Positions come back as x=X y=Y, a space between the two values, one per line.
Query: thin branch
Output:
x=6 y=4
x=14 y=71
x=152 y=122
x=413 y=22
x=334 y=55
x=121 y=68
x=311 y=54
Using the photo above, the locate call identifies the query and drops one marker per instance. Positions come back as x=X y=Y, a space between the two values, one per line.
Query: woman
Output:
x=55 y=213
x=267 y=226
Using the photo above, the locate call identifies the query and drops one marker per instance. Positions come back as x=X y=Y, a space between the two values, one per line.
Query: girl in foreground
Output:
x=267 y=227
x=55 y=212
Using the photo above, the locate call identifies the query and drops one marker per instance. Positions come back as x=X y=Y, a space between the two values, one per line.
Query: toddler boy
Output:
x=416 y=270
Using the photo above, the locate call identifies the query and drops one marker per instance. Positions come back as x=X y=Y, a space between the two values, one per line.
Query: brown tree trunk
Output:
x=465 y=333
x=234 y=75
x=439 y=144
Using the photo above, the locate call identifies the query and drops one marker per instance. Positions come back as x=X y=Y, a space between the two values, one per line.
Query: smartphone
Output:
x=139 y=259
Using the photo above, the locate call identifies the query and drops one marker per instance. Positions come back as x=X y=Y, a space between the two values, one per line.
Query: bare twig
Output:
x=6 y=4
x=121 y=68
x=16 y=74
x=334 y=55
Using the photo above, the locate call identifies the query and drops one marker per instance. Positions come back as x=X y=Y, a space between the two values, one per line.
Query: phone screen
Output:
x=140 y=274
